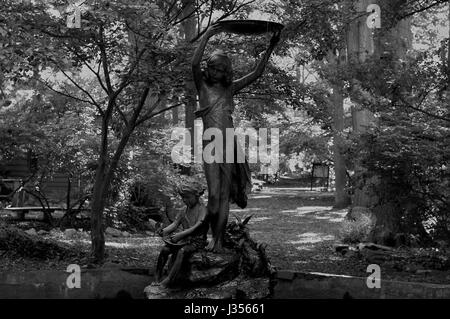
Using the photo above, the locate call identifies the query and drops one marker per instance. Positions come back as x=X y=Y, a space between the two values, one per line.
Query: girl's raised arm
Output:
x=196 y=69
x=251 y=77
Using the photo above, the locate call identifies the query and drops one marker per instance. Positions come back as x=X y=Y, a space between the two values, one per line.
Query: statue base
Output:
x=237 y=288
x=241 y=271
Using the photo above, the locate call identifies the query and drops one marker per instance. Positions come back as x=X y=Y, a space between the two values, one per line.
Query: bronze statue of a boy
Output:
x=182 y=244
x=216 y=88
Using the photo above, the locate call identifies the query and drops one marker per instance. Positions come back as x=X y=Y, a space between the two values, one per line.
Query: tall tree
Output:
x=190 y=30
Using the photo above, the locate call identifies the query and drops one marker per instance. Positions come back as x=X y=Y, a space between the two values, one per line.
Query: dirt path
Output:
x=299 y=226
x=301 y=229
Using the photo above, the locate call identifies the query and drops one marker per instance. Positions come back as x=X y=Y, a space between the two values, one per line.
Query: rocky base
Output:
x=238 y=288
x=241 y=271
x=208 y=268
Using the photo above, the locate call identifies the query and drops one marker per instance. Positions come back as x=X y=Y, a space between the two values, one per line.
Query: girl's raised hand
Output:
x=213 y=29
x=275 y=38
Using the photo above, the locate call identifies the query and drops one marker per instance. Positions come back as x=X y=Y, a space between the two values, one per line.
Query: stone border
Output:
x=130 y=282
x=299 y=285
x=95 y=284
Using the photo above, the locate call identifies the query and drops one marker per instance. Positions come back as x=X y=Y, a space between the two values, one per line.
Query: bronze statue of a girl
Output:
x=216 y=88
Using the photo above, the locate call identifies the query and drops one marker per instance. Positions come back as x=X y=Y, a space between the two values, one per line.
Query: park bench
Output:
x=22 y=211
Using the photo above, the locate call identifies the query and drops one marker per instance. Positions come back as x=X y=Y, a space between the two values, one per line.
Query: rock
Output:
x=31 y=231
x=70 y=233
x=149 y=233
x=155 y=291
x=55 y=232
x=373 y=246
x=242 y=270
x=113 y=232
x=126 y=234
x=239 y=288
x=207 y=267
x=42 y=232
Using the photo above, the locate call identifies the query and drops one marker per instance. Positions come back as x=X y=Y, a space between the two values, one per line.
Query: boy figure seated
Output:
x=183 y=244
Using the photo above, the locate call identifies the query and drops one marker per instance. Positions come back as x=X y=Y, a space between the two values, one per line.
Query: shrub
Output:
x=358 y=230
x=410 y=163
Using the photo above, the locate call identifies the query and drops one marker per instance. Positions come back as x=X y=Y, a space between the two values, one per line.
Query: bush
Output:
x=150 y=193
x=147 y=188
x=410 y=163
x=133 y=217
x=358 y=230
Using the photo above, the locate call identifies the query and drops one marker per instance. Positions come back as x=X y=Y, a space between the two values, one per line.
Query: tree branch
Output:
x=423 y=7
x=71 y=96
x=126 y=79
x=405 y=103
x=97 y=74
x=104 y=60
x=149 y=116
x=79 y=87
x=189 y=15
x=122 y=115
x=225 y=15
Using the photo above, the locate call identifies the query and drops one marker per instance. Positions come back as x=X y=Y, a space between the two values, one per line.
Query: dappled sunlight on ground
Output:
x=140 y=242
x=288 y=211
x=299 y=226
x=76 y=241
x=135 y=244
x=261 y=196
x=312 y=209
x=258 y=219
x=253 y=209
x=311 y=238
x=331 y=216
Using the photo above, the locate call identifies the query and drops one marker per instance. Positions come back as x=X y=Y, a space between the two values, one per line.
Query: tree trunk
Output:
x=98 y=205
x=98 y=197
x=190 y=29
x=361 y=42
x=341 y=198
x=175 y=116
